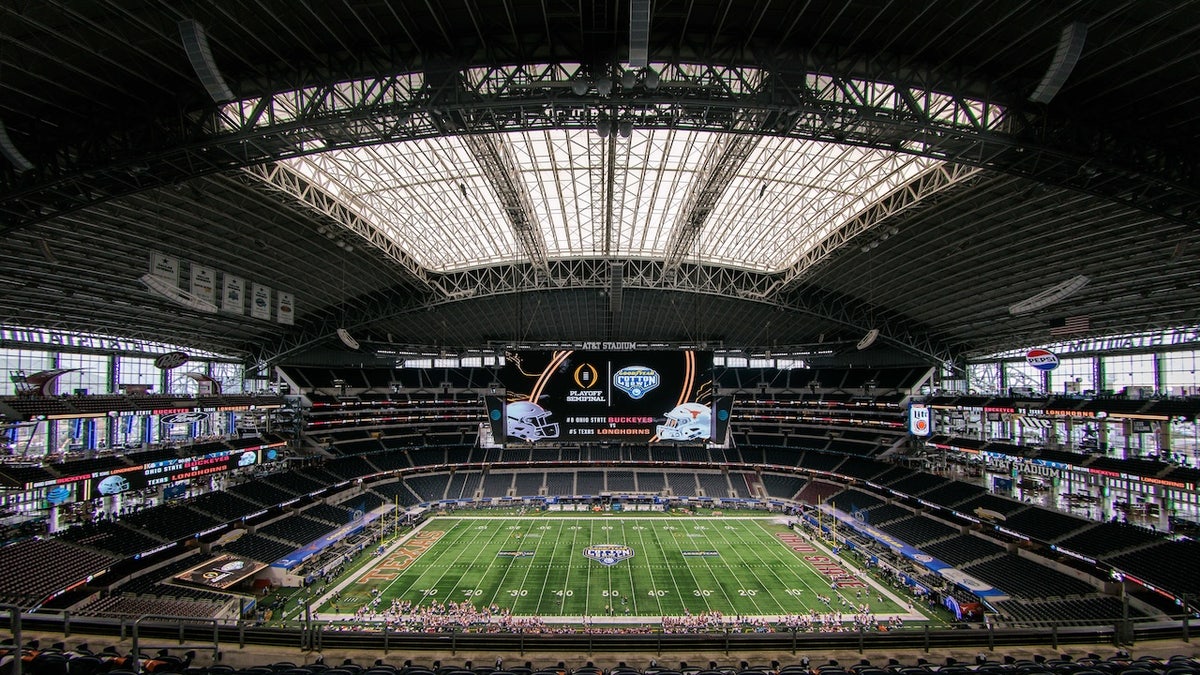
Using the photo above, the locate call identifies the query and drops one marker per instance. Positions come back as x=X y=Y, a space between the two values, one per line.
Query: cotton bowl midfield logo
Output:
x=636 y=381
x=608 y=554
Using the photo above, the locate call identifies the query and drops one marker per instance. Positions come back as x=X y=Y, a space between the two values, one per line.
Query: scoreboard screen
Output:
x=582 y=396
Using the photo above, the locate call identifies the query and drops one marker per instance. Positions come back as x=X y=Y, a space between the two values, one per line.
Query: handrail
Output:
x=1113 y=633
x=14 y=619
x=181 y=621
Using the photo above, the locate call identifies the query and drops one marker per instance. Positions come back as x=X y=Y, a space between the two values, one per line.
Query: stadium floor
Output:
x=749 y=567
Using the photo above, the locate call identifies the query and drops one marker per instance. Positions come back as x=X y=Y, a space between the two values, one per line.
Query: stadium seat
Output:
x=48 y=663
x=84 y=665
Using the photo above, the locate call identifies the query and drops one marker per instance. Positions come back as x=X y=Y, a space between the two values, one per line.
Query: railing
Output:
x=323 y=635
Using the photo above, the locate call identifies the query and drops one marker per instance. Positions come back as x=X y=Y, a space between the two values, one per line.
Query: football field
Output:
x=614 y=567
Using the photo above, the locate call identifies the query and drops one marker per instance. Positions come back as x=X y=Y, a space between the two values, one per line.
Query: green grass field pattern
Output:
x=660 y=567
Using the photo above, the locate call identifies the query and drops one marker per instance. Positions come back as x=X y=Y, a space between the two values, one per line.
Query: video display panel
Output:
x=582 y=396
x=221 y=572
x=165 y=472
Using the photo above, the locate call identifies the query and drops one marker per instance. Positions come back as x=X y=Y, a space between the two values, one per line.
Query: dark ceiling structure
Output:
x=765 y=175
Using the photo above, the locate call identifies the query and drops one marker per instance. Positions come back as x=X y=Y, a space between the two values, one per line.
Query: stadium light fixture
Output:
x=1070 y=46
x=163 y=288
x=195 y=43
x=20 y=163
x=652 y=79
x=639 y=33
x=1050 y=296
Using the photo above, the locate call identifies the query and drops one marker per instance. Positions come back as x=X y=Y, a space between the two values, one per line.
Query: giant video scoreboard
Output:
x=582 y=396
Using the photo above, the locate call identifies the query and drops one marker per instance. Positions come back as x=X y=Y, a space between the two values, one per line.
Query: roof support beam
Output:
x=496 y=160
x=598 y=273
x=909 y=197
x=719 y=168
x=302 y=190
x=887 y=112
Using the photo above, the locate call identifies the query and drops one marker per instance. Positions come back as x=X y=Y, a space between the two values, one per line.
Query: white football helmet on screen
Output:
x=529 y=421
x=686 y=422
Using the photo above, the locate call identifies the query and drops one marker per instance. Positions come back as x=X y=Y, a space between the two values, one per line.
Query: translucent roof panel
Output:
x=790 y=195
x=436 y=199
x=428 y=195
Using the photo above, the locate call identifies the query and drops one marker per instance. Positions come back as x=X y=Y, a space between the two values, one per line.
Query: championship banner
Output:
x=920 y=422
x=286 y=311
x=233 y=298
x=204 y=283
x=221 y=573
x=165 y=266
x=260 y=302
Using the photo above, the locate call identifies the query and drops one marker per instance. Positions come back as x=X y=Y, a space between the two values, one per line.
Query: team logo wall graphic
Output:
x=608 y=554
x=636 y=381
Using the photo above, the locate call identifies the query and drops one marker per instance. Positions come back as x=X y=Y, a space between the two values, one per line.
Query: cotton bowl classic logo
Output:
x=608 y=554
x=636 y=381
x=1042 y=359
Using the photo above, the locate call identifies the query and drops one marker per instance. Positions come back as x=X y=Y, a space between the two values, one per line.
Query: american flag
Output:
x=1070 y=325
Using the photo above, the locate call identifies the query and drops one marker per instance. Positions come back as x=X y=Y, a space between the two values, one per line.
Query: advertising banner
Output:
x=920 y=422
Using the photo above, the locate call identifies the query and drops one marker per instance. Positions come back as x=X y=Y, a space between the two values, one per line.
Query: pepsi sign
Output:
x=1042 y=359
x=170 y=360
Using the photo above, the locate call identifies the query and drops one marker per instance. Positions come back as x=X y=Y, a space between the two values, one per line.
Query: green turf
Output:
x=753 y=573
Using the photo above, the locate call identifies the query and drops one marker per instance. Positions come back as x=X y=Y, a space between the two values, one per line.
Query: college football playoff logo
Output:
x=608 y=554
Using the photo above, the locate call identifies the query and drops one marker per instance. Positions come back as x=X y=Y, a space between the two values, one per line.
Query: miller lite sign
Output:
x=919 y=420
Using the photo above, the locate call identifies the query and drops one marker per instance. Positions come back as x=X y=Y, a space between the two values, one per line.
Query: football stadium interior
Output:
x=599 y=337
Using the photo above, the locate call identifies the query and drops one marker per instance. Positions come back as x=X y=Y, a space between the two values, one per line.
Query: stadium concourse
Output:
x=732 y=332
